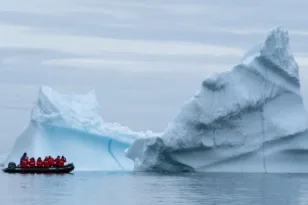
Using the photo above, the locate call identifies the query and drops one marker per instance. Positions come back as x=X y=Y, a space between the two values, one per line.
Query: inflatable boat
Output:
x=12 y=168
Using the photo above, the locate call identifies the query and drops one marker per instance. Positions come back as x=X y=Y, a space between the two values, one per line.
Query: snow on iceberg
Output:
x=70 y=125
x=248 y=119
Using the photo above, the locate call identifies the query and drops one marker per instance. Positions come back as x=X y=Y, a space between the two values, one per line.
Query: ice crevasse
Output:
x=248 y=119
x=70 y=125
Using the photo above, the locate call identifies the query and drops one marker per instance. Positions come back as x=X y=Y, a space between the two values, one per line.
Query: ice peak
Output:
x=74 y=110
x=278 y=35
x=276 y=48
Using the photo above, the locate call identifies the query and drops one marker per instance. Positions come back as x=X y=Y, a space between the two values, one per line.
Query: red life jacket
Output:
x=64 y=159
x=32 y=162
x=51 y=161
x=60 y=163
x=58 y=160
x=39 y=162
x=24 y=163
x=46 y=163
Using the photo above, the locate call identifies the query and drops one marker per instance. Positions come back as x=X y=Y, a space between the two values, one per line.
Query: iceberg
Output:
x=70 y=125
x=248 y=119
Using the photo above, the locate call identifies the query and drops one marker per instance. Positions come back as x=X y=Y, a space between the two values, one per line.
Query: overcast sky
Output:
x=143 y=58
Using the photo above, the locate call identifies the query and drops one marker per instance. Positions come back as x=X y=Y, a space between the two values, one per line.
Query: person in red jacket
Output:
x=32 y=162
x=25 y=162
x=63 y=158
x=45 y=159
x=46 y=163
x=51 y=161
x=61 y=162
x=23 y=157
x=39 y=162
x=58 y=161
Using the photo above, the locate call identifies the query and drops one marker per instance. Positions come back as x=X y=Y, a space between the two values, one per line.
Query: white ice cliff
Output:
x=70 y=125
x=248 y=119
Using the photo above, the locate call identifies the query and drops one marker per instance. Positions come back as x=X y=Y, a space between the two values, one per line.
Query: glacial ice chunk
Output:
x=248 y=119
x=70 y=125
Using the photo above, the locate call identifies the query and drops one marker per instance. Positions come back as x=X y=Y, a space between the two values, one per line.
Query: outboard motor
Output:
x=12 y=165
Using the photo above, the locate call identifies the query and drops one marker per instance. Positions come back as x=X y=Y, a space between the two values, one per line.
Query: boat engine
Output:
x=11 y=165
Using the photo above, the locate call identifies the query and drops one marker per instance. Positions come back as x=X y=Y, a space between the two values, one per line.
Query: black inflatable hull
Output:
x=66 y=169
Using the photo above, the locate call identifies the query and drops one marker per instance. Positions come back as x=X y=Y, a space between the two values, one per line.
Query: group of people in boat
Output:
x=39 y=163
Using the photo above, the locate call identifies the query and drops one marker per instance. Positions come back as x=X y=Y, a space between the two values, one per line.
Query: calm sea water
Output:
x=90 y=188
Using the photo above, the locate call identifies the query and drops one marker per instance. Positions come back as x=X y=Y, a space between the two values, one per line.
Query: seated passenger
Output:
x=46 y=163
x=61 y=162
x=32 y=162
x=58 y=160
x=63 y=158
x=24 y=163
x=46 y=158
x=39 y=162
x=51 y=161
x=23 y=156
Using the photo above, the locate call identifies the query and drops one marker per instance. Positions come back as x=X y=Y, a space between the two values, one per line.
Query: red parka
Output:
x=25 y=163
x=39 y=162
x=32 y=162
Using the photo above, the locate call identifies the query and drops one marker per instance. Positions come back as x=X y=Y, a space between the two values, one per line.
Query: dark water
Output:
x=127 y=188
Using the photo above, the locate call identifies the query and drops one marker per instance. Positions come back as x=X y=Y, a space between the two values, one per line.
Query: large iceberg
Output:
x=248 y=119
x=70 y=125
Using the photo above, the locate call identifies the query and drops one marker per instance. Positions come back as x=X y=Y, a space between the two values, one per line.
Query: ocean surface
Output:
x=148 y=189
